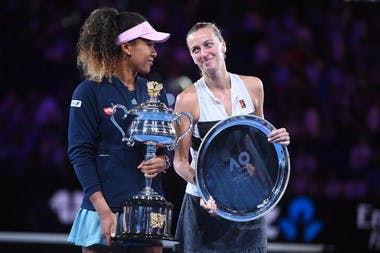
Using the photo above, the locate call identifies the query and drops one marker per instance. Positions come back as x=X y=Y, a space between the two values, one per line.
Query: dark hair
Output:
x=127 y=20
x=97 y=48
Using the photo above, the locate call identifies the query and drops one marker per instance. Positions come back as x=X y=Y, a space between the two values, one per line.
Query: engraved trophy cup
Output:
x=147 y=216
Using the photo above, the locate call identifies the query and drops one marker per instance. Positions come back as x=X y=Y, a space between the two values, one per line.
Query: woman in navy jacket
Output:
x=113 y=49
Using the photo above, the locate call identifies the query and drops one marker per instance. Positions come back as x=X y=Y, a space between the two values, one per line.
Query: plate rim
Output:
x=264 y=126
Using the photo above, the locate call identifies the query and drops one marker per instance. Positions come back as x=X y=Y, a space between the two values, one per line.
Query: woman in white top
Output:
x=217 y=95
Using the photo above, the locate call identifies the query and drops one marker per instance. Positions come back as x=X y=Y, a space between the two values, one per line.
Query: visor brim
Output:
x=157 y=37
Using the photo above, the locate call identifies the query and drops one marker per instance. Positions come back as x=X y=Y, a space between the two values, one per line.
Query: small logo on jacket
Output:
x=242 y=103
x=109 y=110
x=76 y=103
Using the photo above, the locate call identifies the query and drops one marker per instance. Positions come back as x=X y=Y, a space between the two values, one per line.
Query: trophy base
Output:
x=147 y=217
x=166 y=241
x=144 y=237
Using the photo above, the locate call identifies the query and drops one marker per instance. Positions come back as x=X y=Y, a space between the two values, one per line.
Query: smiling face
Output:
x=207 y=49
x=141 y=54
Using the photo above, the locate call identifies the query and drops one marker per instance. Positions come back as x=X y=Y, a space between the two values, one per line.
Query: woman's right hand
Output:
x=108 y=221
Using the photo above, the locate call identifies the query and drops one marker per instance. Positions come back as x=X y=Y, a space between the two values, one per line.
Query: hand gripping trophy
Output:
x=147 y=215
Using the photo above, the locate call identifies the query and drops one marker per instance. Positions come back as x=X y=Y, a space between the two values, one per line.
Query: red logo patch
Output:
x=242 y=103
x=108 y=110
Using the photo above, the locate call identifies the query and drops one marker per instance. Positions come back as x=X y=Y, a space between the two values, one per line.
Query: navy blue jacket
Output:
x=102 y=162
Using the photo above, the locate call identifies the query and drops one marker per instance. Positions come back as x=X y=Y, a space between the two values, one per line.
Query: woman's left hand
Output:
x=209 y=205
x=280 y=136
x=152 y=167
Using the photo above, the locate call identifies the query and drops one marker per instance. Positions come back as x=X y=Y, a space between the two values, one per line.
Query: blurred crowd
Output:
x=319 y=62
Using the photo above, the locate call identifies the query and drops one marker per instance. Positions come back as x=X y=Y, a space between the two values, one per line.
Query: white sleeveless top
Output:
x=210 y=109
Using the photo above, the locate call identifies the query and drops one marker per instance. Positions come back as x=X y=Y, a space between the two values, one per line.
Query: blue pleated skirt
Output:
x=86 y=230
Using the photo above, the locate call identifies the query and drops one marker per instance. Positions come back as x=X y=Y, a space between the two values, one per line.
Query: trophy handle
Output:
x=178 y=116
x=129 y=141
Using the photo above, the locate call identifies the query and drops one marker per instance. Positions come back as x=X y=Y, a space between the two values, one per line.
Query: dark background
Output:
x=319 y=62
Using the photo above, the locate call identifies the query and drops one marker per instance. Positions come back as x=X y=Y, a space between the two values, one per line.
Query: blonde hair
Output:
x=212 y=26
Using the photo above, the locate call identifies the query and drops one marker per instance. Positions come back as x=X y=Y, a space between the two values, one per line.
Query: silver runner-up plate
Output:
x=237 y=167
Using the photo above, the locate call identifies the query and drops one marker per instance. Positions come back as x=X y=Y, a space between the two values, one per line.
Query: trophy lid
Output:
x=152 y=105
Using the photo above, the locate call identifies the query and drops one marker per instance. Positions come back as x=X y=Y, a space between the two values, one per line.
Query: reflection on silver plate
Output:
x=244 y=173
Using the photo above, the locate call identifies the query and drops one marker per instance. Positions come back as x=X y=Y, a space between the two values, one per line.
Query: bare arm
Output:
x=256 y=92
x=187 y=101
